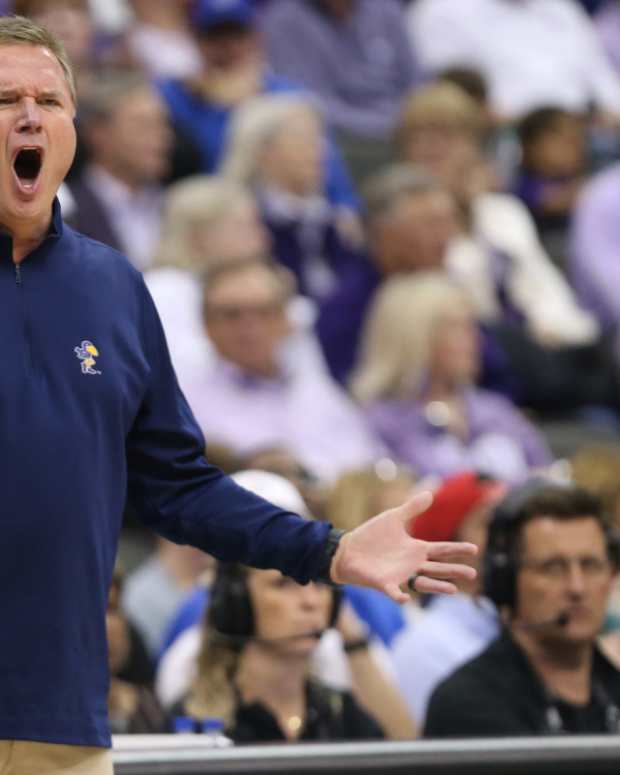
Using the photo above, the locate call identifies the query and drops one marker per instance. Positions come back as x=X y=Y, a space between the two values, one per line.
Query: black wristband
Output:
x=329 y=550
x=361 y=644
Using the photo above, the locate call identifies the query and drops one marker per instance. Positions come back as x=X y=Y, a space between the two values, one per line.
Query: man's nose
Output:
x=576 y=579
x=30 y=116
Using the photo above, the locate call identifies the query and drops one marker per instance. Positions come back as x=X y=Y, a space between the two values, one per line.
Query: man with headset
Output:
x=549 y=567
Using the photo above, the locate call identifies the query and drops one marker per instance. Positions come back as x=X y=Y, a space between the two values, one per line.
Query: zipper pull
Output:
x=18 y=274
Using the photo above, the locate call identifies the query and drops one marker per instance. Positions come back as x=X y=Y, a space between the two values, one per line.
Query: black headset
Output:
x=229 y=611
x=500 y=565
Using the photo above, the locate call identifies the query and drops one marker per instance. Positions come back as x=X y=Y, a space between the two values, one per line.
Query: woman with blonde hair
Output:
x=276 y=145
x=417 y=378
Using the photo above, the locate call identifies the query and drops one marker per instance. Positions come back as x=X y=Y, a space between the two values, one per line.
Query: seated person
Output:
x=417 y=380
x=345 y=658
x=132 y=706
x=261 y=631
x=549 y=567
x=254 y=394
x=233 y=69
x=552 y=171
x=275 y=146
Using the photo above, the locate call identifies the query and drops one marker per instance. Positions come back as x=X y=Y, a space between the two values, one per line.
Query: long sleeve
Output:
x=187 y=500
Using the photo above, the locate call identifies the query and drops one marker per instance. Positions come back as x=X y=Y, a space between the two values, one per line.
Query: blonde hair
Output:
x=398 y=334
x=352 y=499
x=193 y=203
x=253 y=126
x=18 y=30
x=439 y=104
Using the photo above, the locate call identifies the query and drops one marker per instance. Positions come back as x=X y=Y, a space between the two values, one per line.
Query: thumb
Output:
x=411 y=509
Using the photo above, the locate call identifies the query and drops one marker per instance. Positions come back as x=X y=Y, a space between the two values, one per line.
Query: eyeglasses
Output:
x=559 y=568
x=234 y=313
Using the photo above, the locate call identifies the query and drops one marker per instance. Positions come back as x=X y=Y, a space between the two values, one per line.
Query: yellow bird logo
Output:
x=87 y=352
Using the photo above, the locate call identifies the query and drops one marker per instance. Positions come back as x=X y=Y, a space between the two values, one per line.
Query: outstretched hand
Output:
x=382 y=554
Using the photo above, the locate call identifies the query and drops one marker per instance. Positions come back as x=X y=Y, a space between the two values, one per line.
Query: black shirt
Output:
x=499 y=694
x=331 y=715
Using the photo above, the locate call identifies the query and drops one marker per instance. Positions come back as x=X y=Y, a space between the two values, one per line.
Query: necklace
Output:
x=293 y=723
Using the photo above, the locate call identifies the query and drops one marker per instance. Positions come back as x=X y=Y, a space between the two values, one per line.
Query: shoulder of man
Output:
x=491 y=695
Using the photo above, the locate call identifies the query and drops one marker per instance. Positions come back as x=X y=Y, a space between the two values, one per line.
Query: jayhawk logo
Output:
x=87 y=352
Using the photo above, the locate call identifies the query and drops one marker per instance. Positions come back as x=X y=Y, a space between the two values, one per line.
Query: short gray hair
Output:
x=22 y=31
x=384 y=189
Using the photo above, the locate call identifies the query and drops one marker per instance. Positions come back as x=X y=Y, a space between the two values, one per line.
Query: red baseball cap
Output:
x=453 y=500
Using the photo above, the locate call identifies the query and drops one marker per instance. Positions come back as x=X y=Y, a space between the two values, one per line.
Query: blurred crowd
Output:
x=384 y=243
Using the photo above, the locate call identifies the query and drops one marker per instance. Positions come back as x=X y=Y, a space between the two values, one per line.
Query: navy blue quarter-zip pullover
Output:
x=90 y=410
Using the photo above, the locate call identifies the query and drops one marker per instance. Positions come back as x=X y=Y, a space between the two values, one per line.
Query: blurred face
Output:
x=246 y=319
x=236 y=235
x=293 y=158
x=416 y=233
x=229 y=47
x=282 y=608
x=135 y=143
x=70 y=21
x=441 y=149
x=560 y=150
x=564 y=567
x=455 y=354
x=36 y=132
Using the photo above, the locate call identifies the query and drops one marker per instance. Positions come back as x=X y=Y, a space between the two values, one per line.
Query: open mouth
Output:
x=27 y=166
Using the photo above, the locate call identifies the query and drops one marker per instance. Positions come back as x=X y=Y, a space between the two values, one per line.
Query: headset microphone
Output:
x=241 y=640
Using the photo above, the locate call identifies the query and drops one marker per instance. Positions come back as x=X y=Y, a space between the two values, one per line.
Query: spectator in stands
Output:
x=552 y=171
x=411 y=220
x=547 y=340
x=274 y=146
x=416 y=378
x=500 y=258
x=532 y=54
x=205 y=220
x=355 y=55
x=154 y=590
x=252 y=670
x=549 y=567
x=132 y=706
x=446 y=635
x=159 y=38
x=252 y=397
x=233 y=70
x=119 y=196
x=360 y=666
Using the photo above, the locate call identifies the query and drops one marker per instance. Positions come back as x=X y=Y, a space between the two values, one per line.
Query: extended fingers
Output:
x=446 y=570
x=434 y=586
x=441 y=550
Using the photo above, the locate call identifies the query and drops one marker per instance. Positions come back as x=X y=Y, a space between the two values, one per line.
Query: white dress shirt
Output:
x=532 y=52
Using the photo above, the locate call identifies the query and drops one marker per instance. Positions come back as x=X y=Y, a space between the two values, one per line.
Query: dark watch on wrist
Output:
x=329 y=550
x=361 y=644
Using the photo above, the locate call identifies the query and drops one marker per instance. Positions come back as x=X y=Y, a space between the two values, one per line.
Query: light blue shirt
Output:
x=452 y=631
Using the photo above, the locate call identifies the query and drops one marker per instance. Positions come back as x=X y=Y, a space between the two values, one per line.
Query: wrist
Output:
x=325 y=574
x=357 y=645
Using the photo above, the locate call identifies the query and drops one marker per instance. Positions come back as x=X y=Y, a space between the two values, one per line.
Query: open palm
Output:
x=382 y=554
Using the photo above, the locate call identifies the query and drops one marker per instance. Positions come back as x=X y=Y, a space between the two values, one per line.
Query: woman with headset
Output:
x=261 y=630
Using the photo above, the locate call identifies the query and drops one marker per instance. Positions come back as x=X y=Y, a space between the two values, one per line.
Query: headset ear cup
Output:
x=230 y=609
